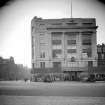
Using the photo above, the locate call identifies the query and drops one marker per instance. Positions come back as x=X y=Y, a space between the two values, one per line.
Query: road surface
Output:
x=57 y=93
x=53 y=89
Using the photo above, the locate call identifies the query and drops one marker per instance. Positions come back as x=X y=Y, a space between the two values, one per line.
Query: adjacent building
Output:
x=68 y=44
x=6 y=61
x=101 y=54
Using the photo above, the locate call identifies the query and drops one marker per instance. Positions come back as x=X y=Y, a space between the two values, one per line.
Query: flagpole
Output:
x=71 y=8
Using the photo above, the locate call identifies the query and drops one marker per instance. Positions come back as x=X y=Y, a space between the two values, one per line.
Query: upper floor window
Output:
x=56 y=42
x=71 y=50
x=71 y=42
x=56 y=52
x=87 y=33
x=32 y=28
x=42 y=55
x=87 y=51
x=41 y=24
x=56 y=24
x=41 y=34
x=55 y=34
x=71 y=24
x=71 y=33
x=87 y=24
x=86 y=42
x=73 y=59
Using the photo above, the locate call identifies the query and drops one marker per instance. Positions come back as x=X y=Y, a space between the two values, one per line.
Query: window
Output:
x=55 y=34
x=57 y=24
x=32 y=28
x=88 y=51
x=56 y=42
x=41 y=24
x=33 y=65
x=72 y=59
x=71 y=42
x=86 y=37
x=86 y=42
x=87 y=33
x=56 y=64
x=56 y=52
x=42 y=55
x=71 y=33
x=90 y=63
x=71 y=50
x=71 y=24
x=87 y=24
x=42 y=34
x=42 y=64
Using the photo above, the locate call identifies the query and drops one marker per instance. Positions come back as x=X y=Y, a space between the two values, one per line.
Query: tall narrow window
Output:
x=42 y=55
x=90 y=63
x=42 y=64
x=32 y=28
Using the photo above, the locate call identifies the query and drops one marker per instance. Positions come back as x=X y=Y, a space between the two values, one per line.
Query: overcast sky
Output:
x=15 y=22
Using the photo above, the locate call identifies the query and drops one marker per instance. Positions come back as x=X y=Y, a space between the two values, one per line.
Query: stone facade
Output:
x=68 y=43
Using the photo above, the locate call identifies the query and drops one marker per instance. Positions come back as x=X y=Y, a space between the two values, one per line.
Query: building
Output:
x=6 y=61
x=68 y=44
x=101 y=54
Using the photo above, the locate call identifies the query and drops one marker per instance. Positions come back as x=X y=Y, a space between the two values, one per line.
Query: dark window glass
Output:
x=71 y=33
x=56 y=64
x=42 y=64
x=71 y=42
x=42 y=55
x=72 y=59
x=56 y=24
x=88 y=51
x=55 y=52
x=87 y=24
x=86 y=42
x=71 y=24
x=56 y=42
x=87 y=33
x=56 y=33
x=32 y=28
x=90 y=63
x=71 y=50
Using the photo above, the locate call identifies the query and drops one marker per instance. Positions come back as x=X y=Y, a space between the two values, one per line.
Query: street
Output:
x=56 y=93
x=53 y=89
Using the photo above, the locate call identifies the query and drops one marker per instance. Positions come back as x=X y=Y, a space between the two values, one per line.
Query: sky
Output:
x=16 y=16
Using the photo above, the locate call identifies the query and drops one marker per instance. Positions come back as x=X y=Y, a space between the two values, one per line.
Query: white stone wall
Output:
x=40 y=27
